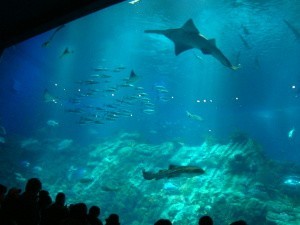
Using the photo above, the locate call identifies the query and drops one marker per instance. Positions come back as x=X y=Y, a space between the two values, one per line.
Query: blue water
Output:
x=258 y=99
x=261 y=99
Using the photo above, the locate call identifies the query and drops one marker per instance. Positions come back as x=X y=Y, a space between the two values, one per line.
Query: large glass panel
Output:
x=161 y=109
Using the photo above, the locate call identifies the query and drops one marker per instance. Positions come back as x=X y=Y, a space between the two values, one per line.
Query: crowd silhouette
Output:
x=35 y=207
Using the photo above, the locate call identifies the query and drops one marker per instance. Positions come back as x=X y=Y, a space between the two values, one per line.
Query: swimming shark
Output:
x=188 y=37
x=173 y=171
x=293 y=29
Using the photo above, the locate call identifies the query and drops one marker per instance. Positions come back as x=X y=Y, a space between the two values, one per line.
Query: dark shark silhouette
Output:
x=293 y=29
x=188 y=37
x=173 y=171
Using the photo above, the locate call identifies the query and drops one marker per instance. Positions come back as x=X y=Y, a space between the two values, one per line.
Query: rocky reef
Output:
x=239 y=181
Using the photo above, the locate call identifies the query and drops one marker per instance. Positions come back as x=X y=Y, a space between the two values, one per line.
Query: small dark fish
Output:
x=86 y=180
x=109 y=189
x=88 y=82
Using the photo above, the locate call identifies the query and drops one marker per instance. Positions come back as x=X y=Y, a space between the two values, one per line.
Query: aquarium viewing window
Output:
x=160 y=109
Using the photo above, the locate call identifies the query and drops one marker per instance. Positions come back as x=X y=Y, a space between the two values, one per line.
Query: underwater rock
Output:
x=246 y=158
x=93 y=164
x=255 y=206
x=238 y=181
x=280 y=218
x=257 y=190
x=76 y=173
x=239 y=138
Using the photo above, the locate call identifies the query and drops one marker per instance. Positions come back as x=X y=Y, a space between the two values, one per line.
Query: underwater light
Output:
x=293 y=86
x=292 y=181
x=236 y=98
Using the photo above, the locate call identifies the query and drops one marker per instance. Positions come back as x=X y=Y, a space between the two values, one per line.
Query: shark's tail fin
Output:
x=236 y=67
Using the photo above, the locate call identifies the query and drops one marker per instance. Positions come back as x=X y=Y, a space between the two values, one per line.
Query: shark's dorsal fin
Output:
x=179 y=48
x=132 y=75
x=189 y=26
x=171 y=166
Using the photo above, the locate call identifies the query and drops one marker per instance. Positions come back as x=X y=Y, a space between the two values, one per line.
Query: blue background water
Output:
x=258 y=99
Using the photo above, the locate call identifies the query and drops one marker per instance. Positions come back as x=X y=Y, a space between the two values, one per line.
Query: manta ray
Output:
x=188 y=37
x=173 y=171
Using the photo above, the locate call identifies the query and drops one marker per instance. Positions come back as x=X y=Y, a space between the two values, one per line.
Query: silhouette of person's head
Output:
x=239 y=222
x=60 y=199
x=94 y=211
x=205 y=220
x=112 y=219
x=33 y=185
x=163 y=222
